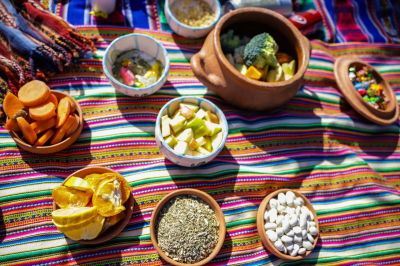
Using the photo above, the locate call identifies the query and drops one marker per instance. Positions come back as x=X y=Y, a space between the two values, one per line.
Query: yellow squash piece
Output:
x=73 y=216
x=108 y=197
x=66 y=197
x=78 y=183
x=89 y=232
x=254 y=73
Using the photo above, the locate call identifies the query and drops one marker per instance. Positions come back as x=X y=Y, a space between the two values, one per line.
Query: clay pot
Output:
x=207 y=199
x=17 y=136
x=353 y=97
x=114 y=230
x=263 y=235
x=213 y=69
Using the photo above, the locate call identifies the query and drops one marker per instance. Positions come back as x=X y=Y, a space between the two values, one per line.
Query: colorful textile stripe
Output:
x=317 y=144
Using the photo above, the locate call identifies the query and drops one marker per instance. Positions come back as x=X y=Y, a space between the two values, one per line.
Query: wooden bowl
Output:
x=213 y=69
x=261 y=230
x=350 y=93
x=115 y=229
x=207 y=199
x=17 y=136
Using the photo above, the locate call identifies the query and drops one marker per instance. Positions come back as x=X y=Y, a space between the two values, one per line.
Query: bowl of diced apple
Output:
x=191 y=131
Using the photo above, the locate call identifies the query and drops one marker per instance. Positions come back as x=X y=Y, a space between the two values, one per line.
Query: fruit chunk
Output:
x=70 y=227
x=33 y=93
x=66 y=197
x=216 y=140
x=44 y=138
x=186 y=135
x=29 y=135
x=72 y=105
x=193 y=144
x=165 y=129
x=213 y=128
x=254 y=73
x=127 y=76
x=11 y=105
x=41 y=126
x=195 y=123
x=52 y=98
x=241 y=68
x=208 y=145
x=203 y=151
x=60 y=133
x=193 y=107
x=201 y=131
x=213 y=118
x=11 y=125
x=201 y=113
x=91 y=179
x=73 y=127
x=171 y=141
x=42 y=112
x=78 y=183
x=177 y=123
x=182 y=147
x=186 y=112
x=107 y=197
x=91 y=231
x=283 y=58
x=289 y=68
x=73 y=215
x=63 y=112
x=113 y=220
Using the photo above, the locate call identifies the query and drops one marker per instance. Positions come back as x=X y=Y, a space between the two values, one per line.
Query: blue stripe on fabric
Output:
x=76 y=12
x=139 y=14
x=365 y=20
x=240 y=210
x=31 y=182
x=325 y=201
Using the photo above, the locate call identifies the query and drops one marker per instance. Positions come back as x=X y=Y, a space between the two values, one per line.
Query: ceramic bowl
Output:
x=145 y=44
x=17 y=136
x=213 y=69
x=185 y=30
x=189 y=161
x=115 y=229
x=207 y=199
x=261 y=230
x=350 y=93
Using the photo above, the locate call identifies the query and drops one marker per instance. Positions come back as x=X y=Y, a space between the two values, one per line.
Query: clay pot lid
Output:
x=350 y=93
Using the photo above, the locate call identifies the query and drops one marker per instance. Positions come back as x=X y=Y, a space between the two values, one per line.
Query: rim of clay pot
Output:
x=207 y=199
x=114 y=230
x=350 y=93
x=263 y=235
x=56 y=147
x=260 y=85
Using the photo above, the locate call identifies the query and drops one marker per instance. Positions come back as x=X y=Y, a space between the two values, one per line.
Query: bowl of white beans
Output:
x=287 y=224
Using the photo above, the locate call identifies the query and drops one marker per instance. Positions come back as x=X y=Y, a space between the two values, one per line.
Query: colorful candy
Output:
x=366 y=85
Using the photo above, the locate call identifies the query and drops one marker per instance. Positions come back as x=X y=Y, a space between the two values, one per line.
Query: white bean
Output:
x=290 y=194
x=287 y=239
x=305 y=210
x=273 y=213
x=290 y=233
x=304 y=234
x=298 y=202
x=285 y=249
x=279 y=220
x=282 y=199
x=285 y=226
x=313 y=230
x=292 y=211
x=303 y=221
x=281 y=209
x=279 y=231
x=273 y=203
x=298 y=239
x=295 y=250
x=266 y=216
x=279 y=245
x=302 y=251
x=307 y=245
x=312 y=224
x=297 y=230
x=272 y=235
x=310 y=238
x=311 y=218
x=270 y=226
x=290 y=247
x=298 y=210
x=289 y=201
x=294 y=221
x=287 y=217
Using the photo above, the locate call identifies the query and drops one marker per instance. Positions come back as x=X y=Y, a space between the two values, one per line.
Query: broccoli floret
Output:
x=260 y=51
x=229 y=42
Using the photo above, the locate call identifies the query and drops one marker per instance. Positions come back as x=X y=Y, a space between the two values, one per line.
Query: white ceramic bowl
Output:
x=185 y=30
x=145 y=44
x=189 y=161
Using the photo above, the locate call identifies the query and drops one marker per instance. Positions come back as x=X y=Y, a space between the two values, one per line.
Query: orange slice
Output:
x=66 y=197
x=108 y=197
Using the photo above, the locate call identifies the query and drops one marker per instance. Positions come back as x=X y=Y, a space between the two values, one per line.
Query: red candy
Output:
x=362 y=91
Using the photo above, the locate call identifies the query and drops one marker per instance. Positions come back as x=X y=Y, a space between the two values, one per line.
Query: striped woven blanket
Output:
x=317 y=144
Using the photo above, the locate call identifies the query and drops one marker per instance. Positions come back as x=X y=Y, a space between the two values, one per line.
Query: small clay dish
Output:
x=207 y=199
x=46 y=149
x=353 y=97
x=115 y=229
x=261 y=230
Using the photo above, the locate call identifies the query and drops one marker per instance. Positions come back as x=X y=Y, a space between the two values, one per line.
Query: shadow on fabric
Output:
x=2 y=227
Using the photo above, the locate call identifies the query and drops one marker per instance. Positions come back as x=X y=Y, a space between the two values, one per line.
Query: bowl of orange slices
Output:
x=92 y=205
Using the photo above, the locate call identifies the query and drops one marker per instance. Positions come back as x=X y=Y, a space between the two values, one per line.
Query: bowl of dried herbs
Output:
x=187 y=227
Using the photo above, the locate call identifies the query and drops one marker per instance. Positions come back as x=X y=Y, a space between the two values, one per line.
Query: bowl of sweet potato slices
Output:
x=41 y=120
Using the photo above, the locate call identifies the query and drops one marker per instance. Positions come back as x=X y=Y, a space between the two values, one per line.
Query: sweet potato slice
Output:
x=45 y=137
x=29 y=135
x=41 y=126
x=11 y=105
x=63 y=111
x=33 y=93
x=11 y=125
x=60 y=133
x=73 y=127
x=72 y=105
x=45 y=111
x=52 y=98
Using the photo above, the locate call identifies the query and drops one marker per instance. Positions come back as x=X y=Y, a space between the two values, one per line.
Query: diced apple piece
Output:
x=193 y=144
x=181 y=147
x=193 y=107
x=203 y=151
x=177 y=123
x=195 y=123
x=287 y=76
x=189 y=152
x=171 y=141
x=213 y=118
x=275 y=74
x=201 y=113
x=201 y=141
x=186 y=135
x=216 y=140
x=208 y=145
x=166 y=131
x=241 y=68
x=196 y=153
x=213 y=128
x=289 y=68
x=175 y=114
x=186 y=112
x=201 y=131
x=264 y=77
